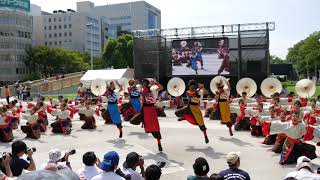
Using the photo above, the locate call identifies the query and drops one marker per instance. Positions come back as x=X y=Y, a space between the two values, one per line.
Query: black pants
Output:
x=8 y=99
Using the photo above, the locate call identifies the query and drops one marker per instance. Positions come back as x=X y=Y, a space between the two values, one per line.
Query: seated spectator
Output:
x=215 y=176
x=5 y=167
x=304 y=170
x=90 y=169
x=153 y=172
x=56 y=158
x=133 y=160
x=234 y=173
x=200 y=169
x=109 y=165
x=17 y=164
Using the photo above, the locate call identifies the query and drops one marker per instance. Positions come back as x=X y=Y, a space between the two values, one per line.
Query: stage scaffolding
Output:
x=248 y=46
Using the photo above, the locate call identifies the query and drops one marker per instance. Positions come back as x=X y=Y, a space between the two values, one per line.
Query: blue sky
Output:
x=295 y=19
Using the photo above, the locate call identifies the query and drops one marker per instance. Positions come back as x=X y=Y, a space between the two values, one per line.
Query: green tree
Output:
x=118 y=52
x=306 y=54
x=277 y=60
x=44 y=62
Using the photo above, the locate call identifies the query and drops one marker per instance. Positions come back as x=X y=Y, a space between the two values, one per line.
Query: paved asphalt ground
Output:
x=211 y=65
x=182 y=143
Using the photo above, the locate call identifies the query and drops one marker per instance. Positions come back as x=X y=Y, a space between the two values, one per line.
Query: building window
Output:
x=50 y=35
x=64 y=19
x=65 y=34
x=59 y=42
x=45 y=27
x=69 y=18
x=70 y=40
x=46 y=43
x=70 y=26
x=55 y=27
x=59 y=19
x=54 y=19
x=59 y=26
x=65 y=26
x=55 y=43
x=55 y=34
x=49 y=19
x=49 y=27
x=70 y=34
x=59 y=34
x=50 y=43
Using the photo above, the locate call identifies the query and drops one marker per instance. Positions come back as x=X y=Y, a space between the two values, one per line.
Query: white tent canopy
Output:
x=107 y=75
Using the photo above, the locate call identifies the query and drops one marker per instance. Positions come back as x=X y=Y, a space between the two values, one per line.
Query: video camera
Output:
x=71 y=152
x=33 y=149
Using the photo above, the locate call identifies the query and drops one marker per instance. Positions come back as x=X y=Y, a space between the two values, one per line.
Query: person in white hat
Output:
x=56 y=157
x=304 y=170
x=234 y=173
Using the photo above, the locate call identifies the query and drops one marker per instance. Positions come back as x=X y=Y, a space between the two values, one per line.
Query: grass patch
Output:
x=68 y=96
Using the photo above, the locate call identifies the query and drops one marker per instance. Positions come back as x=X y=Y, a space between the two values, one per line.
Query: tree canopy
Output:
x=43 y=61
x=306 y=52
x=118 y=52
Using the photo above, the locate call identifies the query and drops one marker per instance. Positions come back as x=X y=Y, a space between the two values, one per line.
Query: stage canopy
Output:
x=107 y=75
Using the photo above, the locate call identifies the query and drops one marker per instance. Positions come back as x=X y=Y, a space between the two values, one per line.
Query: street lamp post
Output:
x=91 y=34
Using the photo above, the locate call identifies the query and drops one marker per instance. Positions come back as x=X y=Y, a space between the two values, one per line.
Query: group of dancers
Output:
x=139 y=109
x=286 y=123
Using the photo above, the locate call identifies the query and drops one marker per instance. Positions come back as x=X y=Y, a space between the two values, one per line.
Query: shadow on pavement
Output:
x=120 y=143
x=208 y=151
x=235 y=141
x=141 y=135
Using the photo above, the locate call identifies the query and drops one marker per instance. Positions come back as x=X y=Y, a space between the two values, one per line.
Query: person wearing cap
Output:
x=17 y=164
x=201 y=169
x=304 y=170
x=234 y=173
x=90 y=169
x=192 y=113
x=109 y=165
x=56 y=157
x=133 y=160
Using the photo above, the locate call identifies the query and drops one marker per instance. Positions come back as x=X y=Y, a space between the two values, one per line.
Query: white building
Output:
x=73 y=29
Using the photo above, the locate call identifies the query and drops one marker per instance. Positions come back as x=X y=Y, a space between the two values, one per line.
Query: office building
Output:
x=15 y=39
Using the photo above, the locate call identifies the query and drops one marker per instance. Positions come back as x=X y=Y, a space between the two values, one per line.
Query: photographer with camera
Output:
x=133 y=160
x=5 y=166
x=90 y=169
x=56 y=159
x=17 y=163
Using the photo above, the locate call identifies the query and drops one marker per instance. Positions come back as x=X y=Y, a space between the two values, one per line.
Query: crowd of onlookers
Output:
x=59 y=167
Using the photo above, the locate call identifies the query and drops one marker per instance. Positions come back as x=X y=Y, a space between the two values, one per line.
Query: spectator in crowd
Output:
x=304 y=170
x=109 y=165
x=19 y=89
x=16 y=86
x=17 y=164
x=215 y=176
x=284 y=91
x=56 y=158
x=234 y=173
x=5 y=167
x=8 y=94
x=153 y=172
x=200 y=169
x=63 y=174
x=24 y=93
x=90 y=169
x=133 y=160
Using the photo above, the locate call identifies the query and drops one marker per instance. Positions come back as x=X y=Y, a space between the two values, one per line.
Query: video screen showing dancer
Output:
x=200 y=56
